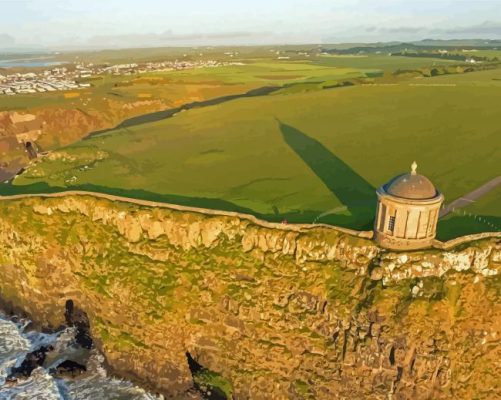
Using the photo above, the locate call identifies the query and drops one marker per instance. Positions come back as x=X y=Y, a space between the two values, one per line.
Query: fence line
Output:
x=273 y=225
x=199 y=210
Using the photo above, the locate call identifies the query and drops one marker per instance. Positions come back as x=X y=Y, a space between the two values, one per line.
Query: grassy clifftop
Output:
x=265 y=312
x=304 y=156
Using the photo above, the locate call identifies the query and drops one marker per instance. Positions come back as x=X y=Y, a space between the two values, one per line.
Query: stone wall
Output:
x=450 y=244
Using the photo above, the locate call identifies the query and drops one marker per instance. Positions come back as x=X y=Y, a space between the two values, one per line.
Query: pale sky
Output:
x=128 y=23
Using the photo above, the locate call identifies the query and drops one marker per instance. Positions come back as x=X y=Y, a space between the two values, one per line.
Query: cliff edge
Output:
x=271 y=311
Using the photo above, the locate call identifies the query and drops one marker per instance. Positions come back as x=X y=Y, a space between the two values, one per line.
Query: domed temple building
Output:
x=407 y=212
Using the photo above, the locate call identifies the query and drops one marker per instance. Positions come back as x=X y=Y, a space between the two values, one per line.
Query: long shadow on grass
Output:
x=460 y=225
x=354 y=192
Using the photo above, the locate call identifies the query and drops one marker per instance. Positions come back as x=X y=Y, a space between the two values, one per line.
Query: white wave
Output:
x=12 y=346
x=97 y=384
x=39 y=386
x=16 y=342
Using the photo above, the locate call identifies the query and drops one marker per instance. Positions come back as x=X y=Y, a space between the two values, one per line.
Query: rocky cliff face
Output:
x=273 y=312
x=52 y=127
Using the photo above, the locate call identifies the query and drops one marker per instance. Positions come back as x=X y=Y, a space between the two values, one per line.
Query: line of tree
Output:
x=444 y=56
x=443 y=70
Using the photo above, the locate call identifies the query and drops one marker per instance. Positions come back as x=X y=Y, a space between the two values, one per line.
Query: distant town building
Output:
x=407 y=212
x=60 y=79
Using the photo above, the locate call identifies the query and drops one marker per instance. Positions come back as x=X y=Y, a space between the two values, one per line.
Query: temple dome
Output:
x=407 y=212
x=411 y=186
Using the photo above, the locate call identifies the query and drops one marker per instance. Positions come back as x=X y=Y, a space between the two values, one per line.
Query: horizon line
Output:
x=90 y=48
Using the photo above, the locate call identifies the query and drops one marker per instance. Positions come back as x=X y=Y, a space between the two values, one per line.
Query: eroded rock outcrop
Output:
x=279 y=312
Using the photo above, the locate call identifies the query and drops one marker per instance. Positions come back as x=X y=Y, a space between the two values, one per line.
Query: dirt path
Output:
x=469 y=198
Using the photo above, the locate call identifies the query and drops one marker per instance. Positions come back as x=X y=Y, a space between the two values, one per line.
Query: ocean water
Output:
x=16 y=341
x=33 y=62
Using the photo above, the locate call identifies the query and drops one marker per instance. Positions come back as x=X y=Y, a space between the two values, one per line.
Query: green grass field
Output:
x=261 y=68
x=491 y=53
x=381 y=62
x=178 y=87
x=482 y=216
x=113 y=99
x=312 y=156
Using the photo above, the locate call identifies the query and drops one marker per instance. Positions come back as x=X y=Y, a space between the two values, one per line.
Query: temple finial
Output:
x=414 y=168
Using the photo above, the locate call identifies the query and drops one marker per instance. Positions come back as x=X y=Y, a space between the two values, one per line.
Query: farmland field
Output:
x=482 y=216
x=381 y=62
x=302 y=156
x=65 y=117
